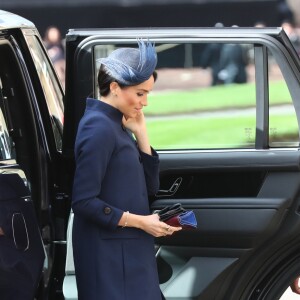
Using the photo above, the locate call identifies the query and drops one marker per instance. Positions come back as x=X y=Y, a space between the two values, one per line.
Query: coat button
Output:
x=107 y=210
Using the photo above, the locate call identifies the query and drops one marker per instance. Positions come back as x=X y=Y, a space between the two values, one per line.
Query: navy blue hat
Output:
x=131 y=66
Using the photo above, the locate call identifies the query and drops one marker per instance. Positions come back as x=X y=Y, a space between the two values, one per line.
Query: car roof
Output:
x=10 y=20
x=178 y=31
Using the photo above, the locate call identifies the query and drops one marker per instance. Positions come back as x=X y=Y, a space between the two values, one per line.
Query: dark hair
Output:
x=104 y=81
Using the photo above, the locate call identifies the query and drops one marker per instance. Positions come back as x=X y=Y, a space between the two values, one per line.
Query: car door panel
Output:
x=24 y=184
x=223 y=222
x=188 y=281
x=21 y=251
x=240 y=202
x=233 y=160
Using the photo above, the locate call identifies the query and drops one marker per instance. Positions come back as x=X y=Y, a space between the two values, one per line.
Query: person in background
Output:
x=291 y=32
x=116 y=170
x=210 y=58
x=56 y=50
x=260 y=24
x=233 y=62
x=283 y=11
x=295 y=286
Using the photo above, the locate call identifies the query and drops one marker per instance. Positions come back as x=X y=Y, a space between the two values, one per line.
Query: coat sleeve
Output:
x=151 y=171
x=93 y=150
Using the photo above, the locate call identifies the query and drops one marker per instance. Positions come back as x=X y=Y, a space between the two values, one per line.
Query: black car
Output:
x=229 y=152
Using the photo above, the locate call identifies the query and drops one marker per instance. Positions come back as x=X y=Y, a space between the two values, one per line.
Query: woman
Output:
x=113 y=231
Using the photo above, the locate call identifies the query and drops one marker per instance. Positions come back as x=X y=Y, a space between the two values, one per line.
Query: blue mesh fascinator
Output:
x=131 y=66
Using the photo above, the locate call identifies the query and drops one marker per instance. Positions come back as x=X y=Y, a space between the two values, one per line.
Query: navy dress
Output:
x=112 y=176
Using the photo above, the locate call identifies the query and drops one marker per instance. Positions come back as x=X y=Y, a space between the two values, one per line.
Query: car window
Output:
x=205 y=98
x=51 y=88
x=283 y=125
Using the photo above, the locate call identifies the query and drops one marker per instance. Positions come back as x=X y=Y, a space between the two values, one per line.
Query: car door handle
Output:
x=172 y=190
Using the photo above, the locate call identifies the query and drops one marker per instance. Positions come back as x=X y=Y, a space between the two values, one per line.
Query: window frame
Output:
x=56 y=129
x=261 y=42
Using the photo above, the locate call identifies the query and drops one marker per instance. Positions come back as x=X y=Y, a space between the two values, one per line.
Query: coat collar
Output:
x=98 y=105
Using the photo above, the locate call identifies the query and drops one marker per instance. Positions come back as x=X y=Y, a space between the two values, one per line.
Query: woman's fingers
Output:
x=155 y=227
x=169 y=230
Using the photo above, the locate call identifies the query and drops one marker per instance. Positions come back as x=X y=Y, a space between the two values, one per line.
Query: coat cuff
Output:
x=153 y=158
x=99 y=212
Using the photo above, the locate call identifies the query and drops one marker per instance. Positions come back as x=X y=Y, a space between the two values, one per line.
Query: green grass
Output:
x=194 y=132
x=216 y=132
x=212 y=98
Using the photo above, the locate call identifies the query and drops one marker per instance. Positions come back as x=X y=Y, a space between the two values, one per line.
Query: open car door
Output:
x=22 y=251
x=228 y=152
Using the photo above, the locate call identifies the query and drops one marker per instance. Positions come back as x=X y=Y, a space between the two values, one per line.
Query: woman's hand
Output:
x=152 y=225
x=137 y=126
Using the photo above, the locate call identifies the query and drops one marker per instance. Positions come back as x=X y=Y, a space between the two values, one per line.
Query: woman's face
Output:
x=132 y=99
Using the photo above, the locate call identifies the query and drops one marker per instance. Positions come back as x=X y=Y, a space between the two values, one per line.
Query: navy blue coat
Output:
x=112 y=176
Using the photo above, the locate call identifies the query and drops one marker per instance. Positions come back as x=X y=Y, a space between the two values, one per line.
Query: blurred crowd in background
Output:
x=227 y=62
